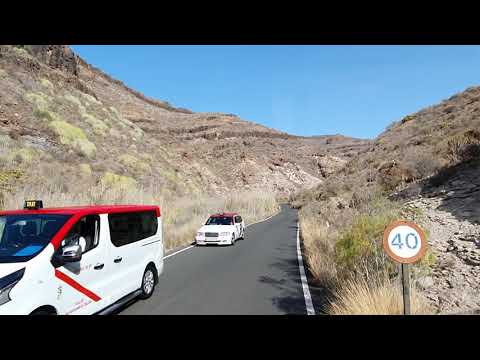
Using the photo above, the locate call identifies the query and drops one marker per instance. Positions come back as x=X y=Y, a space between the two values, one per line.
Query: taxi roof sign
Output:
x=33 y=204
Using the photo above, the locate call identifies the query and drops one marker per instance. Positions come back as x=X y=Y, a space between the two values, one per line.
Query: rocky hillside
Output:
x=67 y=124
x=452 y=213
x=424 y=167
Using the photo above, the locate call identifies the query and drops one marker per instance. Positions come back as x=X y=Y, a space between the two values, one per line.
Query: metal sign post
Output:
x=405 y=243
x=406 y=288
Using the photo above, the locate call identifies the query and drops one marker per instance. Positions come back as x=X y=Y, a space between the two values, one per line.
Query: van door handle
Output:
x=99 y=266
x=117 y=260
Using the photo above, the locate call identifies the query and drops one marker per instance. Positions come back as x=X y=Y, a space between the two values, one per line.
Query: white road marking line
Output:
x=178 y=252
x=303 y=277
x=191 y=246
x=264 y=219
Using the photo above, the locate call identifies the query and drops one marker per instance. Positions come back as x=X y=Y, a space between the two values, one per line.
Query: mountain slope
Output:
x=69 y=123
x=423 y=168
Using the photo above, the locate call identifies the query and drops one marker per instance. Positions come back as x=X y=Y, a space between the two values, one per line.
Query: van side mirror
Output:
x=71 y=254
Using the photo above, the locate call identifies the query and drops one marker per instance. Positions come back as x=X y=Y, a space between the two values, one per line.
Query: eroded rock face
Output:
x=207 y=152
x=453 y=217
x=328 y=165
x=57 y=56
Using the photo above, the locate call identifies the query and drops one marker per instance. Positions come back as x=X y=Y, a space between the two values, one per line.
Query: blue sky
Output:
x=304 y=90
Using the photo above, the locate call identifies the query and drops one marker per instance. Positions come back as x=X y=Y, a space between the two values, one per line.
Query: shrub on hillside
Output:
x=112 y=180
x=407 y=119
x=422 y=161
x=85 y=170
x=73 y=136
x=20 y=50
x=46 y=84
x=363 y=196
x=46 y=114
x=393 y=174
x=359 y=249
x=40 y=101
x=99 y=127
x=463 y=147
x=135 y=164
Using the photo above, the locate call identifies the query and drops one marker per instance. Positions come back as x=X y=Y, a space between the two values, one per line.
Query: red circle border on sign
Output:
x=423 y=241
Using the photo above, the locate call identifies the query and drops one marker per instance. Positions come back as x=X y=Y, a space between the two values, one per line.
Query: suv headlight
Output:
x=200 y=234
x=225 y=234
x=7 y=283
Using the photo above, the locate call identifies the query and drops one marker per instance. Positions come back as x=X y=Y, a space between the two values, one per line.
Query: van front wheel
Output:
x=43 y=311
x=148 y=282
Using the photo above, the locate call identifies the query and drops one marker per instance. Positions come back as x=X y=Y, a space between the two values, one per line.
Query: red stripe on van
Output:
x=77 y=286
x=60 y=235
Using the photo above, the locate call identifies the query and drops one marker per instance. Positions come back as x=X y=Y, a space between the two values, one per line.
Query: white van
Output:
x=78 y=260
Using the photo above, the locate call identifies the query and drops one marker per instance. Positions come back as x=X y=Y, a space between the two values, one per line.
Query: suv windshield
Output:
x=22 y=237
x=220 y=221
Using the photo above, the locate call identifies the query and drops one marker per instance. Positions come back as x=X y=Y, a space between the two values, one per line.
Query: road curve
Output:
x=257 y=276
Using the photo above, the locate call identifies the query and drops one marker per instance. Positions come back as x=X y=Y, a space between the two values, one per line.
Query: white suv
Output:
x=78 y=260
x=221 y=229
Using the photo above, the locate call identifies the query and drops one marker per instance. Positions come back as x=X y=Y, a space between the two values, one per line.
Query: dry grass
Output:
x=343 y=249
x=319 y=248
x=184 y=216
x=345 y=231
x=181 y=216
x=383 y=297
x=344 y=241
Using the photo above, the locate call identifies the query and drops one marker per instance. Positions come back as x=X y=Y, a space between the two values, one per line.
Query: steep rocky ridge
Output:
x=60 y=115
x=427 y=162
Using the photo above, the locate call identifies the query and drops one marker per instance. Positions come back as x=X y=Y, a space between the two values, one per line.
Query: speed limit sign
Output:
x=404 y=242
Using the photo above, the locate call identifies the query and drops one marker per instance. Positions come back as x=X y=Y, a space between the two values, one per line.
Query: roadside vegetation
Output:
x=384 y=296
x=181 y=216
x=344 y=252
x=342 y=220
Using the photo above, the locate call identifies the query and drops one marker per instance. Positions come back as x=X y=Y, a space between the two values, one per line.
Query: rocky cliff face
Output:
x=60 y=57
x=449 y=202
x=58 y=111
x=56 y=56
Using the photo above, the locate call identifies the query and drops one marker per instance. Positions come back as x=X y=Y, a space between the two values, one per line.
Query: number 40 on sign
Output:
x=404 y=242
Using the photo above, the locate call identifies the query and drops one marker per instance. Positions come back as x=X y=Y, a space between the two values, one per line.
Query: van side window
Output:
x=87 y=228
x=127 y=228
x=239 y=219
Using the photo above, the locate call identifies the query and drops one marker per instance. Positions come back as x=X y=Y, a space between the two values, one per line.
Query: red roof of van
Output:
x=227 y=214
x=78 y=212
x=86 y=210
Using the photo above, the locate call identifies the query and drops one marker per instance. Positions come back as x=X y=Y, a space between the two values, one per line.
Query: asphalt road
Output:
x=257 y=276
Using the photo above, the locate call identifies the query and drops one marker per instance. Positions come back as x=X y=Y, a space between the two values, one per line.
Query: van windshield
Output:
x=220 y=220
x=22 y=237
